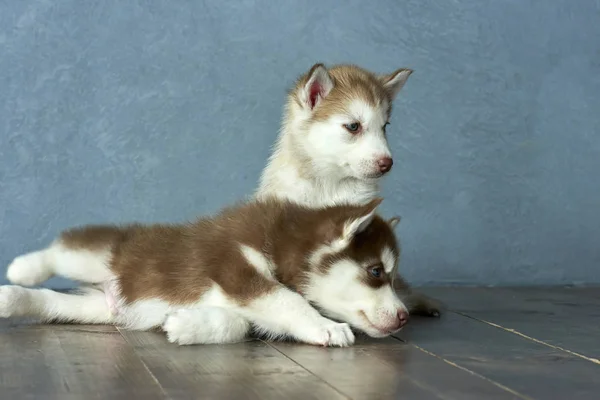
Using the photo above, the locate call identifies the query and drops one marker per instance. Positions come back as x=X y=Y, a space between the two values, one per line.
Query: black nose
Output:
x=385 y=164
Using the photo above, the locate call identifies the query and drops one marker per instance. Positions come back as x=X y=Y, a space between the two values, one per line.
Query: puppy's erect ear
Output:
x=362 y=220
x=395 y=81
x=316 y=88
x=352 y=221
x=392 y=222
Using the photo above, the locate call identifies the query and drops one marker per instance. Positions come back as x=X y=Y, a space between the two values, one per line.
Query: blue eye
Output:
x=353 y=127
x=377 y=272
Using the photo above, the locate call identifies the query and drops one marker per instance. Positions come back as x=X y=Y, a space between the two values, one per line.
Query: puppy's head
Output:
x=352 y=271
x=340 y=117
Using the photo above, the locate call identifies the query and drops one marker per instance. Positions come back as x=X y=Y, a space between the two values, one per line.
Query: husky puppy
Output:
x=285 y=269
x=332 y=147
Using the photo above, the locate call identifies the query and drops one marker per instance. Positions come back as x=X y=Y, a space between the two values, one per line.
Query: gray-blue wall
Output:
x=112 y=111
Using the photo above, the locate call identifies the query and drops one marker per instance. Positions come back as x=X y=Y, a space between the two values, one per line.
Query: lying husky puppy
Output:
x=269 y=264
x=333 y=148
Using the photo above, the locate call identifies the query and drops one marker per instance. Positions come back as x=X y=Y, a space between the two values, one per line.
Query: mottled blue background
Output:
x=112 y=111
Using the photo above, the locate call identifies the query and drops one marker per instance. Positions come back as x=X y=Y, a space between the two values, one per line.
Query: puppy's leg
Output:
x=205 y=325
x=283 y=312
x=88 y=307
x=81 y=254
x=30 y=269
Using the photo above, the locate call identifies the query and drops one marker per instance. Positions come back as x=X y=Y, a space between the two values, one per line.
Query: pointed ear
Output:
x=392 y=222
x=360 y=222
x=317 y=87
x=395 y=81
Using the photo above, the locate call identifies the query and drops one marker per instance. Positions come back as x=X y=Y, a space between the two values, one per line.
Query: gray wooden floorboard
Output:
x=564 y=317
x=390 y=369
x=531 y=369
x=524 y=343
x=70 y=362
x=249 y=370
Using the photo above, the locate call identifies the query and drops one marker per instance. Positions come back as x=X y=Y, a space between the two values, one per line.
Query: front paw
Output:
x=333 y=334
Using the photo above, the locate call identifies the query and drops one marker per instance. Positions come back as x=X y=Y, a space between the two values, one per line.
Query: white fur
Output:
x=76 y=264
x=338 y=154
x=87 y=307
x=150 y=313
x=29 y=269
x=216 y=319
x=111 y=290
x=286 y=313
x=389 y=260
x=321 y=163
x=205 y=325
x=144 y=314
x=325 y=250
x=258 y=261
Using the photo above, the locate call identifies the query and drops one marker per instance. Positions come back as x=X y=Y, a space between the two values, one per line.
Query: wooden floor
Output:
x=492 y=344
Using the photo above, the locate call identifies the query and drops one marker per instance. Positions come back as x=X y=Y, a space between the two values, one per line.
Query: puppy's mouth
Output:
x=374 y=330
x=373 y=176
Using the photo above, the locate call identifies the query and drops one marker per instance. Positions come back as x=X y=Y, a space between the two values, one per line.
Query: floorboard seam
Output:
x=154 y=378
x=416 y=382
x=515 y=332
x=465 y=369
x=307 y=370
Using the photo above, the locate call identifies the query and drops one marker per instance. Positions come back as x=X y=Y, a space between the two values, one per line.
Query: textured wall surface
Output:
x=158 y=110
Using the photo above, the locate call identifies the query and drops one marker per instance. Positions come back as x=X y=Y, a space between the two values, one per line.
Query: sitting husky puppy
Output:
x=332 y=147
x=269 y=264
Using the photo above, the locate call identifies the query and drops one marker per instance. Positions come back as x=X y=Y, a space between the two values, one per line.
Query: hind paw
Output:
x=28 y=270
x=205 y=325
x=13 y=301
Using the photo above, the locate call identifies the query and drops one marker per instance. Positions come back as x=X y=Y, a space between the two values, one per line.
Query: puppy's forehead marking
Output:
x=317 y=256
x=388 y=258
